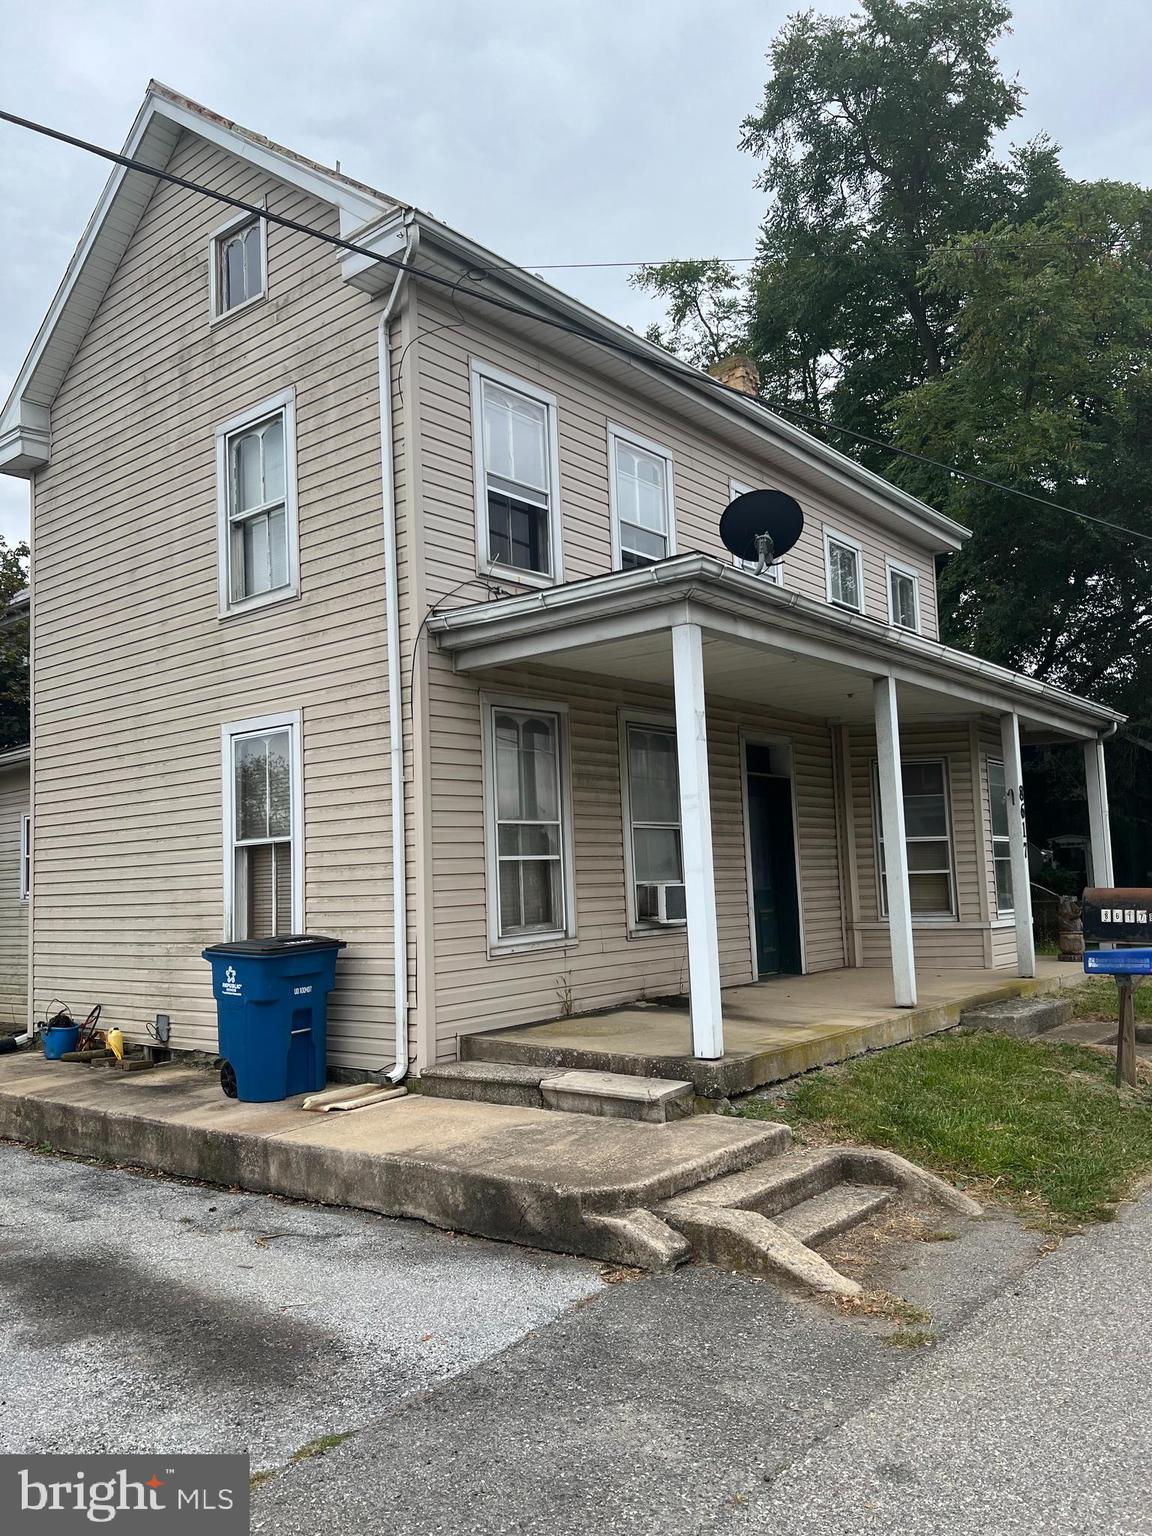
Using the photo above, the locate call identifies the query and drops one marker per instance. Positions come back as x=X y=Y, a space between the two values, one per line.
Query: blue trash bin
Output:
x=272 y=1014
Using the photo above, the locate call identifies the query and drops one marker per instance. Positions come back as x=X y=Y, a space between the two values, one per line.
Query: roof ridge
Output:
x=177 y=98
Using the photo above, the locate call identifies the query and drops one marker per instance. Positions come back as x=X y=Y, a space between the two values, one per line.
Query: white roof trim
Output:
x=640 y=599
x=24 y=421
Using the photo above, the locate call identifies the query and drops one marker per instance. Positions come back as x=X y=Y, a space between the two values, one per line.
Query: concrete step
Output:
x=1020 y=1016
x=486 y=1082
x=611 y=1095
x=824 y=1216
x=775 y=1185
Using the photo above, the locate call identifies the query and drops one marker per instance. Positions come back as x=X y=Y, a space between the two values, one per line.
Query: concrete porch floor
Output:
x=772 y=1029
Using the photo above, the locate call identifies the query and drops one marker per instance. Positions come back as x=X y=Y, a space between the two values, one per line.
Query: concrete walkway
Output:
x=772 y=1030
x=532 y=1176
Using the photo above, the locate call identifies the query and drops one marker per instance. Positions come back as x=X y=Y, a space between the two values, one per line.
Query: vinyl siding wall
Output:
x=703 y=469
x=134 y=670
x=969 y=938
x=477 y=989
x=14 y=801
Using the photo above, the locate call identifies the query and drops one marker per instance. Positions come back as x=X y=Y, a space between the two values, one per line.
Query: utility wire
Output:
x=963 y=474
x=584 y=333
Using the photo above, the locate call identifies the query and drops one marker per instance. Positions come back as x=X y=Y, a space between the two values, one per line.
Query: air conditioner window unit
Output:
x=661 y=901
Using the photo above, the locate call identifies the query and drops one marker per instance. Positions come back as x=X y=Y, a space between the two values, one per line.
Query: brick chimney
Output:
x=738 y=371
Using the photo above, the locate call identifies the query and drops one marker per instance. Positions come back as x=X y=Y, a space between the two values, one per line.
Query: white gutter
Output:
x=395 y=675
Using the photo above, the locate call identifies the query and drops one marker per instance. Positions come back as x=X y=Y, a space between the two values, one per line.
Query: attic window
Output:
x=238 y=263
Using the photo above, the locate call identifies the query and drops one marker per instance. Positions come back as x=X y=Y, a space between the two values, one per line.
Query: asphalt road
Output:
x=492 y=1390
x=141 y=1314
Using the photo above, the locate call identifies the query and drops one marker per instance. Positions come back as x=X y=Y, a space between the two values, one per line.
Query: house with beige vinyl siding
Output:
x=383 y=583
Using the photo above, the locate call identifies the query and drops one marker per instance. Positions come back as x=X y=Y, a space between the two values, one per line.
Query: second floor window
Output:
x=642 y=501
x=258 y=516
x=903 y=598
x=775 y=572
x=516 y=478
x=845 y=583
x=238 y=265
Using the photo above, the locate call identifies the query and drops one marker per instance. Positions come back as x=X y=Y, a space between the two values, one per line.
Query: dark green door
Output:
x=773 y=851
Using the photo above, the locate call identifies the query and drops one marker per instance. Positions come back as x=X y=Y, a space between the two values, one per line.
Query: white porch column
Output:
x=895 y=844
x=696 y=836
x=1098 y=824
x=1018 y=844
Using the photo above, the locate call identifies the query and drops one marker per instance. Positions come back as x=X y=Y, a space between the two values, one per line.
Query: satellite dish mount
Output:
x=761 y=527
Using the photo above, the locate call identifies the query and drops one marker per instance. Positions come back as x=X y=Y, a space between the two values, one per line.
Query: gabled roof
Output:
x=164 y=115
x=379 y=222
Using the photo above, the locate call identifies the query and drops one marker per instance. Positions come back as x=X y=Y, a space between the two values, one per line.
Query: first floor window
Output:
x=263 y=853
x=257 y=481
x=238 y=254
x=642 y=495
x=845 y=585
x=928 y=833
x=1001 y=844
x=25 y=857
x=903 y=598
x=516 y=448
x=528 y=821
x=654 y=830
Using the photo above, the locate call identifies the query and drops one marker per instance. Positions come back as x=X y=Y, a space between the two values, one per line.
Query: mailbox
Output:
x=1120 y=915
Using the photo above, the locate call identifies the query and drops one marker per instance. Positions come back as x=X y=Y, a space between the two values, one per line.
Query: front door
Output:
x=775 y=909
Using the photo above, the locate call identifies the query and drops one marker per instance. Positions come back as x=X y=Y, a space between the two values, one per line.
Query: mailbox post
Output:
x=1120 y=916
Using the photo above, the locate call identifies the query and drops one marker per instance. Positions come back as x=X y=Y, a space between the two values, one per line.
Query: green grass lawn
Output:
x=1096 y=999
x=1043 y=1123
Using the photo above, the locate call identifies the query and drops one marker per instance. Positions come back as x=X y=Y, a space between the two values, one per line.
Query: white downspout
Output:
x=395 y=678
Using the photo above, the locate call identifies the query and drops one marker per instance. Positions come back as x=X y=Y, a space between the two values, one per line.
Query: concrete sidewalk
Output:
x=520 y=1175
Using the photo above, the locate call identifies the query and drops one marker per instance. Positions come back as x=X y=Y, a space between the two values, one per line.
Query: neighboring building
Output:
x=274 y=625
x=15 y=866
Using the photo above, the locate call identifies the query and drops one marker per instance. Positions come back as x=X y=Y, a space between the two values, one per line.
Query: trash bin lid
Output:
x=276 y=944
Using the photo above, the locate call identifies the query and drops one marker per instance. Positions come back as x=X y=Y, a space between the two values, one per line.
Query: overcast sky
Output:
x=575 y=131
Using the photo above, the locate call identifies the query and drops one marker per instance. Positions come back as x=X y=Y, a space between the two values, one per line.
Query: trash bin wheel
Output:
x=228 y=1080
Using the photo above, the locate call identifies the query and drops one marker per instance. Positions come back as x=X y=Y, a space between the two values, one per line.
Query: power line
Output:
x=670 y=366
x=963 y=474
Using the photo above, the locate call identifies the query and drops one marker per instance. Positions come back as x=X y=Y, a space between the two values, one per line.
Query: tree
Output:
x=707 y=308
x=14 y=726
x=1048 y=390
x=875 y=133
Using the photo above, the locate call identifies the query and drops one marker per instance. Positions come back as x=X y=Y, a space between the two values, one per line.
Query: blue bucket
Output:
x=60 y=1038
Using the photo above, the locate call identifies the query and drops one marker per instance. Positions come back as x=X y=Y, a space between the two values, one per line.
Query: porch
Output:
x=772 y=1029
x=839 y=707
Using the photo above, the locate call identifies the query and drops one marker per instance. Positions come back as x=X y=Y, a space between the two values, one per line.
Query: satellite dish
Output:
x=761 y=526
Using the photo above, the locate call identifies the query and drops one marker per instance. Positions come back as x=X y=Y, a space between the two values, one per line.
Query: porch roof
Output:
x=763 y=645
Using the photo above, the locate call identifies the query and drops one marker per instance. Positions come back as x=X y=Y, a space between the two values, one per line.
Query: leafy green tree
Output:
x=14 y=726
x=707 y=308
x=1049 y=390
x=876 y=131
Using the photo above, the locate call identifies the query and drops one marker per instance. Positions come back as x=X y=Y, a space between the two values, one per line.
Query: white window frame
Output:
x=260 y=725
x=898 y=568
x=833 y=536
x=25 y=855
x=996 y=837
x=617 y=433
x=215 y=313
x=775 y=572
x=479 y=370
x=953 y=913
x=637 y=928
x=565 y=935
x=284 y=404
